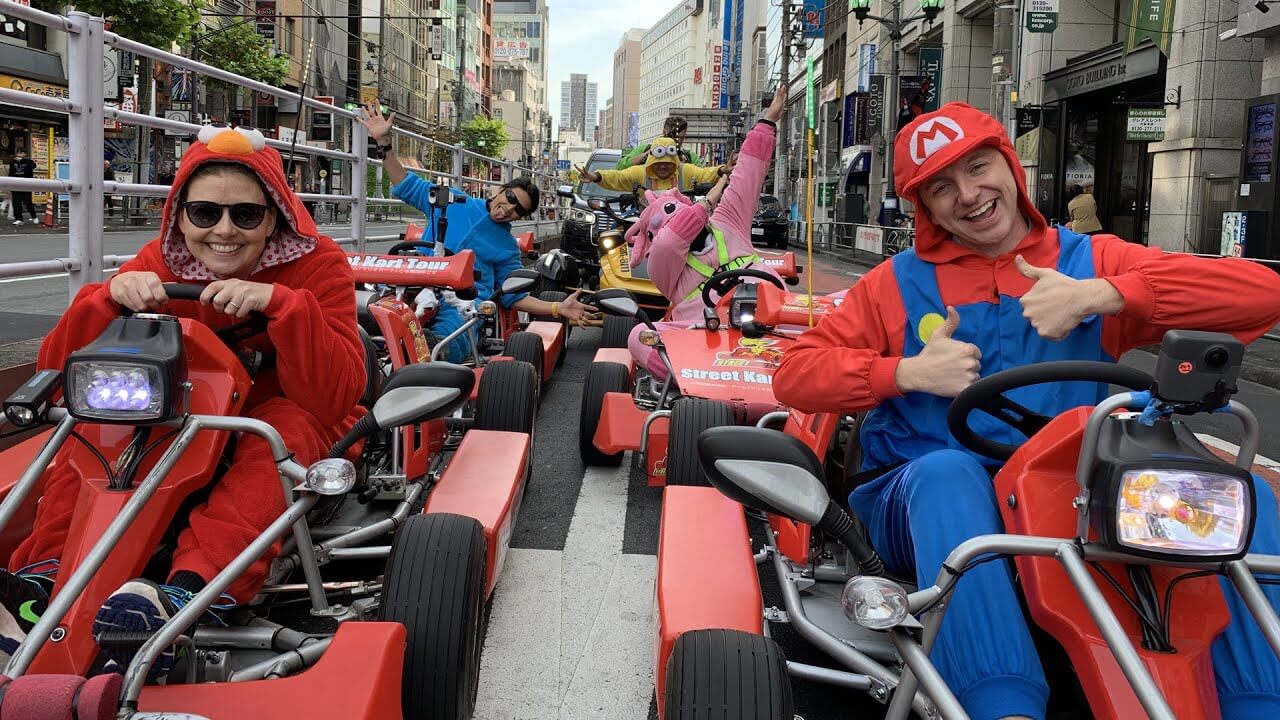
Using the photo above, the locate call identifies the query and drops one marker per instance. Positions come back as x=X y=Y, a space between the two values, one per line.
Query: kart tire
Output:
x=689 y=417
x=616 y=331
x=727 y=674
x=526 y=347
x=602 y=377
x=556 y=296
x=508 y=397
x=434 y=586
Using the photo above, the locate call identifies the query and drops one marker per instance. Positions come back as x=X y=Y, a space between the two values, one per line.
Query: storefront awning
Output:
x=23 y=62
x=1107 y=67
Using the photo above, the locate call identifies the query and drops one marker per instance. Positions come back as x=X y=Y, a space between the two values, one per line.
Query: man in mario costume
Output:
x=991 y=286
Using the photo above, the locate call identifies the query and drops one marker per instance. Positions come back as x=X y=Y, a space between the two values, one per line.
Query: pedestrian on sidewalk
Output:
x=22 y=166
x=108 y=201
x=1083 y=210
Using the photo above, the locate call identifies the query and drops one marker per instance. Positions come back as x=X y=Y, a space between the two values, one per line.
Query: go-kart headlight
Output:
x=650 y=338
x=1192 y=512
x=875 y=603
x=130 y=374
x=582 y=216
x=609 y=241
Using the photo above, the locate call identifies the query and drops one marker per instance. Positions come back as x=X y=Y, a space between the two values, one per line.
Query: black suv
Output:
x=582 y=226
x=769 y=225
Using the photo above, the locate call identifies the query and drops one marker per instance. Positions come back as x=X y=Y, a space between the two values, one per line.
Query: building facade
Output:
x=604 y=130
x=578 y=106
x=626 y=90
x=673 y=64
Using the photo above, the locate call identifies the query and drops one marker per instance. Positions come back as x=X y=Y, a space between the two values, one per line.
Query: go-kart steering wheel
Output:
x=403 y=248
x=723 y=282
x=988 y=395
x=232 y=335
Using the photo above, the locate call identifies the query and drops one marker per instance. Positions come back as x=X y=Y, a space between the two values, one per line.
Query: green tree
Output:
x=238 y=48
x=158 y=23
x=485 y=136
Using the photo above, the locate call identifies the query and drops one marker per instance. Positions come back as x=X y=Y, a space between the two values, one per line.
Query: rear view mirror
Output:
x=765 y=469
x=565 y=191
x=617 y=302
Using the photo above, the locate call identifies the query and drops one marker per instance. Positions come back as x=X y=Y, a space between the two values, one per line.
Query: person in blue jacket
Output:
x=481 y=225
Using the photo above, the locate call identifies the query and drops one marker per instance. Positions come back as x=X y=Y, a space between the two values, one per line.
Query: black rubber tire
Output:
x=557 y=296
x=526 y=347
x=508 y=397
x=689 y=417
x=434 y=586
x=727 y=675
x=602 y=377
x=616 y=331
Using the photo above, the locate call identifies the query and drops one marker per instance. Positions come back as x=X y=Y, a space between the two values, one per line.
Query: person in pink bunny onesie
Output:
x=685 y=243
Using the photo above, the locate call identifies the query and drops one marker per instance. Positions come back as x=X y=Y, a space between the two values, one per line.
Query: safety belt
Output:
x=724 y=264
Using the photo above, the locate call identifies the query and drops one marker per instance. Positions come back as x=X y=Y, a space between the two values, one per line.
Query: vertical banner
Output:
x=1151 y=19
x=866 y=65
x=875 y=106
x=810 y=95
x=850 y=120
x=931 y=67
x=633 y=129
x=812 y=17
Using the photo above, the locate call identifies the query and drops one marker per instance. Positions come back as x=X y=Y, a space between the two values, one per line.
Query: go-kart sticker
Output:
x=390 y=303
x=741 y=376
x=403 y=262
x=660 y=467
x=751 y=352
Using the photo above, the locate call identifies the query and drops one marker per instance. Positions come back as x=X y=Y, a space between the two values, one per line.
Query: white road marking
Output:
x=47 y=277
x=1234 y=449
x=571 y=633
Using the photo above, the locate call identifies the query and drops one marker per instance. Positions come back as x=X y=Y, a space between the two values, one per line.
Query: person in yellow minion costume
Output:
x=662 y=171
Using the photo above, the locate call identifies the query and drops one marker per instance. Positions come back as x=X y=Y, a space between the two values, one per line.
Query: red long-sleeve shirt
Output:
x=311 y=326
x=847 y=363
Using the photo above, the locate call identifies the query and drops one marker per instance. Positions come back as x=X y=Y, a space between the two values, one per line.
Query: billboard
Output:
x=511 y=49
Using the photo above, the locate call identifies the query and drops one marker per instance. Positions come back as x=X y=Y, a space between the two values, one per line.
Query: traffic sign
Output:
x=562 y=165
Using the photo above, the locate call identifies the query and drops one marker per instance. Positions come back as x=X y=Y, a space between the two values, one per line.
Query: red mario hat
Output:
x=932 y=142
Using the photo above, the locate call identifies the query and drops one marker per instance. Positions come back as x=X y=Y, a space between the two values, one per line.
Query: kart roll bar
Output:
x=290 y=473
x=1073 y=557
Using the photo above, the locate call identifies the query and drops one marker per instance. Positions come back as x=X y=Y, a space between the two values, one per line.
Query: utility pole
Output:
x=782 y=173
x=895 y=23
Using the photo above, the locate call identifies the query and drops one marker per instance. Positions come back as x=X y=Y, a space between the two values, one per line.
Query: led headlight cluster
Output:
x=130 y=374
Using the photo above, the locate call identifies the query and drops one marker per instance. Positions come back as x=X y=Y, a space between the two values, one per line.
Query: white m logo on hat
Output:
x=933 y=135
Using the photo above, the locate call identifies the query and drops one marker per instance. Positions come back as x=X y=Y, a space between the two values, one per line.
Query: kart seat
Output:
x=363 y=299
x=435 y=375
x=372 y=370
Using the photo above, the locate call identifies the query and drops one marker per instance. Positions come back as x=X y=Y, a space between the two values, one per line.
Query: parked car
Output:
x=769 y=226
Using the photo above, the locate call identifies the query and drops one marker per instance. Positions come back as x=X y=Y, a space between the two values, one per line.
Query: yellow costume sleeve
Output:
x=622 y=180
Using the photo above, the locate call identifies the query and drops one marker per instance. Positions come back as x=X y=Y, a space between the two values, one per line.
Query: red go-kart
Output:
x=720 y=372
x=1121 y=493
x=155 y=402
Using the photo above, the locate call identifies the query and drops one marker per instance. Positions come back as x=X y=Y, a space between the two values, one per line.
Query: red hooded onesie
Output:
x=310 y=396
x=848 y=362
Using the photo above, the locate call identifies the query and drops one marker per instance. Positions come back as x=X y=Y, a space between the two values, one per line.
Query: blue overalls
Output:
x=918 y=513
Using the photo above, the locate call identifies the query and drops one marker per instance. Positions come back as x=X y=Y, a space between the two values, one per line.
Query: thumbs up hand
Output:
x=1056 y=304
x=945 y=367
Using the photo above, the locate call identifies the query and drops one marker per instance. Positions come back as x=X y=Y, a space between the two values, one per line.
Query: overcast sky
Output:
x=585 y=33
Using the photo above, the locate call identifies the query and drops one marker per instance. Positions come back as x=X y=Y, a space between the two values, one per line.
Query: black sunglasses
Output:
x=514 y=200
x=246 y=216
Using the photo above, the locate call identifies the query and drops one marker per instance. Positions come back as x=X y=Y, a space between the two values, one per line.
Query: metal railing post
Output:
x=360 y=182
x=457 y=166
x=84 y=130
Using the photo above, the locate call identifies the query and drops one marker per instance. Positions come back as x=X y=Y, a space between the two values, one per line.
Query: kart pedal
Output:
x=113 y=639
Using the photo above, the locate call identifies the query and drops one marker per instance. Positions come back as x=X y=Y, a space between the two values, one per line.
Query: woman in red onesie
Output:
x=230 y=222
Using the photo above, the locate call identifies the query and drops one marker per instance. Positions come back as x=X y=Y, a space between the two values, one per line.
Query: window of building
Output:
x=290 y=31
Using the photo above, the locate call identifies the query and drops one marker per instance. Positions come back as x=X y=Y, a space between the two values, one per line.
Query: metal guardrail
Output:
x=86 y=110
x=874 y=240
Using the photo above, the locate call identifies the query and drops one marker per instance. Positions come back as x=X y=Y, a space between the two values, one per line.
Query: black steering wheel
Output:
x=988 y=395
x=403 y=248
x=722 y=282
x=232 y=335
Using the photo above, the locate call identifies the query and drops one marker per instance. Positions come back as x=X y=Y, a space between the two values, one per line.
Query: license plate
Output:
x=757 y=231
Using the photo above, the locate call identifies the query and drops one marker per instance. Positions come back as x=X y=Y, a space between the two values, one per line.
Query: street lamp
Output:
x=894 y=23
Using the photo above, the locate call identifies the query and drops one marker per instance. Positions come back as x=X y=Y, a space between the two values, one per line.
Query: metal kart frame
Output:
x=299 y=650
x=870 y=667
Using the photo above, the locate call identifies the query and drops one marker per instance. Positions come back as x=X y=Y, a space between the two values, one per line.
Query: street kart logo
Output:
x=751 y=352
x=397 y=263
x=420 y=346
x=933 y=135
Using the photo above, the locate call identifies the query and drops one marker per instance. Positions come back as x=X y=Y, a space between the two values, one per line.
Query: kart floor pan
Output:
x=821 y=604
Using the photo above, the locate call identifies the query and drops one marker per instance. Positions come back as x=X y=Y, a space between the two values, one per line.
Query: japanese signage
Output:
x=852 y=119
x=1259 y=148
x=1150 y=19
x=33 y=87
x=866 y=66
x=812 y=17
x=265 y=14
x=1042 y=16
x=875 y=106
x=1234 y=224
x=931 y=67
x=717 y=71
x=1145 y=124
x=810 y=94
x=504 y=49
x=1026 y=120
x=435 y=38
